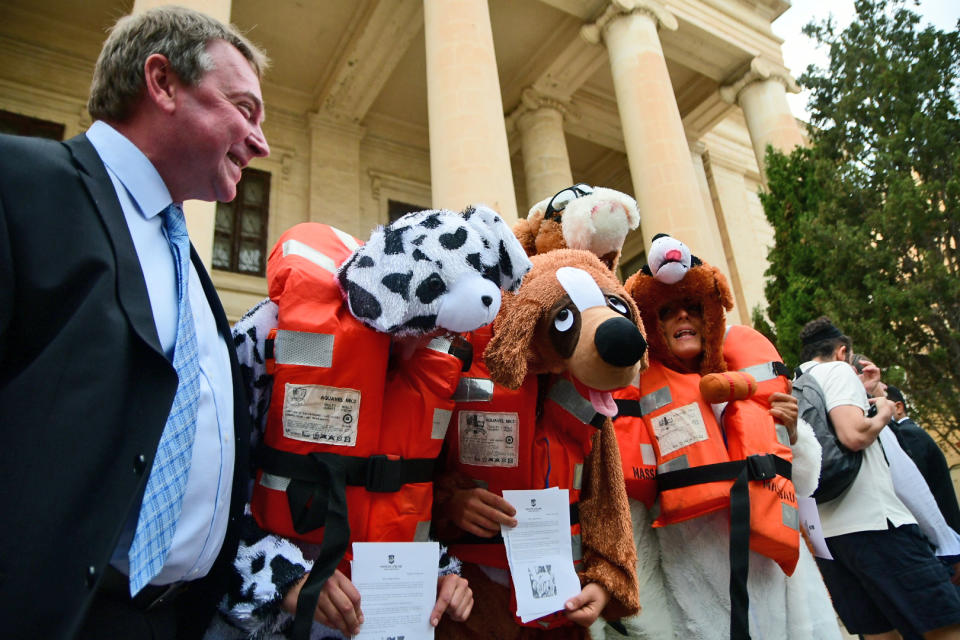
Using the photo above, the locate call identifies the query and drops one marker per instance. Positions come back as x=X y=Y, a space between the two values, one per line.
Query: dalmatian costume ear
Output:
x=433 y=270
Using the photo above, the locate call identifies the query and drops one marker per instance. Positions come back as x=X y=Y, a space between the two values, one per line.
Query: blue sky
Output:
x=800 y=51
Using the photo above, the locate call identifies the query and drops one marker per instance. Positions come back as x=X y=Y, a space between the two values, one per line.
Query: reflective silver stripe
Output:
x=441 y=420
x=348 y=240
x=647 y=455
x=440 y=344
x=578 y=476
x=576 y=546
x=293 y=247
x=303 y=347
x=791 y=516
x=277 y=483
x=653 y=401
x=761 y=372
x=783 y=436
x=473 y=390
x=422 y=534
x=565 y=394
x=674 y=465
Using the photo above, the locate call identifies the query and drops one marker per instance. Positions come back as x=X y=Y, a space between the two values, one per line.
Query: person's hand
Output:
x=338 y=606
x=869 y=376
x=480 y=512
x=955 y=578
x=454 y=596
x=884 y=408
x=585 y=607
x=784 y=409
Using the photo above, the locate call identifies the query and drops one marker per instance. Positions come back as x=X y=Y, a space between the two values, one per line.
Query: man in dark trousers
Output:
x=927 y=456
x=124 y=460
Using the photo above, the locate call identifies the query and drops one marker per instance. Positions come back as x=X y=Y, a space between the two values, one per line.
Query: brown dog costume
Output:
x=602 y=346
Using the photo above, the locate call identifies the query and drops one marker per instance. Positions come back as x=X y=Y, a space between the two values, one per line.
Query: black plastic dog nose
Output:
x=486 y=300
x=619 y=342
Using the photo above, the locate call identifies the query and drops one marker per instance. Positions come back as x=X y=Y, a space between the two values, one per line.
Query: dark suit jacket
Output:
x=931 y=462
x=84 y=388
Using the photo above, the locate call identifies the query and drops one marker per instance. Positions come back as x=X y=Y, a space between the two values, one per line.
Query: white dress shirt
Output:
x=203 y=520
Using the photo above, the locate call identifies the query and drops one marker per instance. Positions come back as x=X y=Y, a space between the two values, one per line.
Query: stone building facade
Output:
x=380 y=106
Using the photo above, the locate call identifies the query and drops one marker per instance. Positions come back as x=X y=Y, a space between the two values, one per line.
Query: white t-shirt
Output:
x=870 y=501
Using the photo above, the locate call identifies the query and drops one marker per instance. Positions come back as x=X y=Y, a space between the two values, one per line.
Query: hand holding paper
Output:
x=539 y=552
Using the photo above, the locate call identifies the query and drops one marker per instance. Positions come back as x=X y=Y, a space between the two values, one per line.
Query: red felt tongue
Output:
x=603 y=402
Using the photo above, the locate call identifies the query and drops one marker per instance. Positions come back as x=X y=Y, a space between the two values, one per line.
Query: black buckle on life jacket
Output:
x=383 y=474
x=761 y=467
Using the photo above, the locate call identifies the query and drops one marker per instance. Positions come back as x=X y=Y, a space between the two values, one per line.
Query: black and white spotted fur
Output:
x=433 y=270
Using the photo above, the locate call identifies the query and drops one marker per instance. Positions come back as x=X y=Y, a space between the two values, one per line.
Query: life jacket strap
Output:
x=742 y=472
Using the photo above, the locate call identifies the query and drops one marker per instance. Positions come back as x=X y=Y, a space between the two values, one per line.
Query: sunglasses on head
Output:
x=560 y=201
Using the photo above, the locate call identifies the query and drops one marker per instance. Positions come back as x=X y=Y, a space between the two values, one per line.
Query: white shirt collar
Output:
x=131 y=167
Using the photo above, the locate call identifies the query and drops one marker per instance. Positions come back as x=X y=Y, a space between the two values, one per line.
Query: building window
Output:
x=240 y=234
x=18 y=125
x=395 y=209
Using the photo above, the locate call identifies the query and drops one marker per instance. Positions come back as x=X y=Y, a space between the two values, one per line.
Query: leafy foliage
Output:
x=867 y=219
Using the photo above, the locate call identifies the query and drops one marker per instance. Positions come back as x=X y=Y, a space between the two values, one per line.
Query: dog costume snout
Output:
x=619 y=342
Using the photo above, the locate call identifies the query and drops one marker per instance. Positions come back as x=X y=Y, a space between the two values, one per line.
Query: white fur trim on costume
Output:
x=806 y=460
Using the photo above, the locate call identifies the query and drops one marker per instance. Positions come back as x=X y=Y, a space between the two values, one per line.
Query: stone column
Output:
x=664 y=180
x=761 y=91
x=469 y=155
x=546 y=163
x=335 y=172
x=200 y=215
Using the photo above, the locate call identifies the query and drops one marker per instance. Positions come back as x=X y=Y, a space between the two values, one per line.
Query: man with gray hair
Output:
x=124 y=422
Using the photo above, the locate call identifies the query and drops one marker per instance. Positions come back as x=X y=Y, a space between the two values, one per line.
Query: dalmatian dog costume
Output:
x=428 y=273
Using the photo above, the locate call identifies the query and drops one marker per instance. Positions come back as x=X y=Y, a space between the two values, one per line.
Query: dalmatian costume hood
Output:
x=433 y=270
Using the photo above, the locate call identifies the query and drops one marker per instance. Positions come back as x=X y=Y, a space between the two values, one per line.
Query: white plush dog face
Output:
x=598 y=221
x=668 y=259
x=433 y=270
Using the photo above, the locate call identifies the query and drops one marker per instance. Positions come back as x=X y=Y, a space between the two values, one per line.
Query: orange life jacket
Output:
x=750 y=429
x=543 y=453
x=684 y=433
x=491 y=441
x=636 y=446
x=326 y=427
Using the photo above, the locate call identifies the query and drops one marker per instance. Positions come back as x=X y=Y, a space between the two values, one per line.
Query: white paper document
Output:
x=539 y=551
x=810 y=519
x=397 y=582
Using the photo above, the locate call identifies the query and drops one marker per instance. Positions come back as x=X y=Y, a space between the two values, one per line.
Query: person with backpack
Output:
x=883 y=576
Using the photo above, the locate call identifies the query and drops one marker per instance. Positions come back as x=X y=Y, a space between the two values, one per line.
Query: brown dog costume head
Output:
x=596 y=219
x=673 y=274
x=569 y=314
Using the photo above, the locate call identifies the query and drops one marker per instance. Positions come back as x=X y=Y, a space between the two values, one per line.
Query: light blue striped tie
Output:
x=163 y=497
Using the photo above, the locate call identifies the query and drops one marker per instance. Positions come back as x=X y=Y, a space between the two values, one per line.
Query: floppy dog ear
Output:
x=509 y=353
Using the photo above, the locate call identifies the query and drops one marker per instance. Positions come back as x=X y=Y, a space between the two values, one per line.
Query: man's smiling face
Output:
x=218 y=127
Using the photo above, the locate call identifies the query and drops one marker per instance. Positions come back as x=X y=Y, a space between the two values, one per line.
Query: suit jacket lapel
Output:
x=131 y=286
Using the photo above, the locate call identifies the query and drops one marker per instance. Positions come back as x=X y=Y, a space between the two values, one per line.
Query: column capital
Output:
x=759 y=69
x=661 y=16
x=532 y=100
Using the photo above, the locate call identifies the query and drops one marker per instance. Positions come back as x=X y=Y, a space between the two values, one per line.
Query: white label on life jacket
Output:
x=489 y=439
x=679 y=428
x=315 y=413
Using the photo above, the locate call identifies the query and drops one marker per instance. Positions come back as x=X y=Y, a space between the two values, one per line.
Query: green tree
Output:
x=867 y=219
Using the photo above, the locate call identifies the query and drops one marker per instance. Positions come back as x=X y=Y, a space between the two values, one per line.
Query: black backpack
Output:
x=839 y=465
